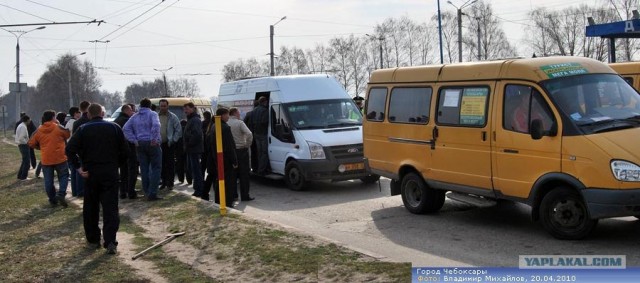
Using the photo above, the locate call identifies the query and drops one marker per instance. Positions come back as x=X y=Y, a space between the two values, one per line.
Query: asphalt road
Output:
x=366 y=218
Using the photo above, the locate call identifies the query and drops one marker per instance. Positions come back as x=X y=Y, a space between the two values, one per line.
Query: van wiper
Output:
x=610 y=125
x=336 y=125
x=310 y=127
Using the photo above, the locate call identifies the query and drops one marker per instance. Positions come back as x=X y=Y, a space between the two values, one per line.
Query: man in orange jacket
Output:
x=51 y=138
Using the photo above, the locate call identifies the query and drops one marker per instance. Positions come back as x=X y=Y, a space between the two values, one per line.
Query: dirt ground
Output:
x=41 y=243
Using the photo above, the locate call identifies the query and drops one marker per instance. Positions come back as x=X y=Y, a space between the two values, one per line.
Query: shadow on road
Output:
x=274 y=195
x=495 y=236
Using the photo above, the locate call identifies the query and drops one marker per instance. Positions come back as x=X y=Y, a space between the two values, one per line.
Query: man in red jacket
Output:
x=51 y=139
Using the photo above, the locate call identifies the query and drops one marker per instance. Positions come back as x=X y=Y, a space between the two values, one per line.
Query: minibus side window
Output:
x=376 y=104
x=523 y=104
x=410 y=105
x=463 y=106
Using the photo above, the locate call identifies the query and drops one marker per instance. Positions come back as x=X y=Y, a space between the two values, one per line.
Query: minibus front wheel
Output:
x=293 y=176
x=419 y=198
x=564 y=214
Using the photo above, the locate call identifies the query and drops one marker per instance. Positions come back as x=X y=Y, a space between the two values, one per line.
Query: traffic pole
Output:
x=221 y=185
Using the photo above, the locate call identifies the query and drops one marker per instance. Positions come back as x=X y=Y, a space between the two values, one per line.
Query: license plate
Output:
x=353 y=166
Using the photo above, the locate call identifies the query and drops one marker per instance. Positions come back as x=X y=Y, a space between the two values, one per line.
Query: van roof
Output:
x=180 y=101
x=626 y=68
x=532 y=69
x=293 y=87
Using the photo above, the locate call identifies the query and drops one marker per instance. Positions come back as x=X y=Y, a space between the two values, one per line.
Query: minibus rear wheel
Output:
x=564 y=214
x=419 y=198
x=294 y=176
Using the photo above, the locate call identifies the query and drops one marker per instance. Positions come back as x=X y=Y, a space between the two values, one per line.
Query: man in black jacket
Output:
x=194 y=146
x=260 y=127
x=128 y=170
x=97 y=149
x=229 y=158
x=254 y=149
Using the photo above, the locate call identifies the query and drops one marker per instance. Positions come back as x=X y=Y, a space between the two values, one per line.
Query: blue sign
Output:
x=514 y=274
x=622 y=29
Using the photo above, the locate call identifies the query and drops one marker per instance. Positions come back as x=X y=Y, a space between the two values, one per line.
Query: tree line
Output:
x=406 y=42
x=52 y=88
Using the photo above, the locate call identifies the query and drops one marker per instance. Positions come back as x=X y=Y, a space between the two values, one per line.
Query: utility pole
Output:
x=380 y=38
x=19 y=34
x=164 y=78
x=271 y=33
x=69 y=77
x=466 y=4
x=479 y=40
x=440 y=33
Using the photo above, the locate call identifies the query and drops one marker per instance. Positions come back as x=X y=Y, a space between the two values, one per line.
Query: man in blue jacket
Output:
x=143 y=130
x=170 y=132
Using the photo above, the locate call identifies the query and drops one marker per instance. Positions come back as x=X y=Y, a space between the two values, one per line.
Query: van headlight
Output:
x=317 y=152
x=625 y=171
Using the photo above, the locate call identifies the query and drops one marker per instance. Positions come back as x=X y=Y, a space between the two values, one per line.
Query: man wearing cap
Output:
x=359 y=101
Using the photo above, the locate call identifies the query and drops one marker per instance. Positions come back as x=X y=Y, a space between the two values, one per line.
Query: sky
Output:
x=198 y=37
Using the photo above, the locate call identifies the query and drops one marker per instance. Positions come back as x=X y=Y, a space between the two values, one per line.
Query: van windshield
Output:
x=322 y=114
x=596 y=102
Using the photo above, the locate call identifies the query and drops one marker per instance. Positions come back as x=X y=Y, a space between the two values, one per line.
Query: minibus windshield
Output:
x=323 y=114
x=596 y=102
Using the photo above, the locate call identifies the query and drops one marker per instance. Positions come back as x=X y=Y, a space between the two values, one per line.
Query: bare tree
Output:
x=494 y=43
x=184 y=87
x=341 y=49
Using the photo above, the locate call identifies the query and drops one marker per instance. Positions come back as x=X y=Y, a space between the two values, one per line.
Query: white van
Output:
x=315 y=129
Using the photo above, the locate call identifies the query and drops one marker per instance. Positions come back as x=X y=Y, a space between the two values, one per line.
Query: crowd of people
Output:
x=102 y=159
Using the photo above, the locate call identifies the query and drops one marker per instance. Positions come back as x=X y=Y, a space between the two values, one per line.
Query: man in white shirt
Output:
x=74 y=114
x=22 y=138
x=243 y=137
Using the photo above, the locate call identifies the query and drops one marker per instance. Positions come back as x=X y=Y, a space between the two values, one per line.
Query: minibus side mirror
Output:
x=284 y=133
x=536 y=129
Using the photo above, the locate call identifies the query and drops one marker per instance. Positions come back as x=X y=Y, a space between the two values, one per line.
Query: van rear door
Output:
x=518 y=159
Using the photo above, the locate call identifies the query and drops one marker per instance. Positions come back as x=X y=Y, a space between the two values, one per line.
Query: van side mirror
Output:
x=536 y=129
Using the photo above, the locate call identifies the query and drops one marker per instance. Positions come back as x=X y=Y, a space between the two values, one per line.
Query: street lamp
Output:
x=380 y=38
x=69 y=77
x=466 y=4
x=273 y=73
x=164 y=78
x=19 y=34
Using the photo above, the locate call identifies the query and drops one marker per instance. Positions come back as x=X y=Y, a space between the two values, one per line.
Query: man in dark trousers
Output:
x=31 y=128
x=253 y=150
x=229 y=158
x=84 y=107
x=128 y=170
x=170 y=133
x=260 y=125
x=97 y=149
x=193 y=140
x=143 y=129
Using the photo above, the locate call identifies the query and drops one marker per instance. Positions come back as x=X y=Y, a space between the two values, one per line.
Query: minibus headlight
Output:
x=625 y=171
x=317 y=152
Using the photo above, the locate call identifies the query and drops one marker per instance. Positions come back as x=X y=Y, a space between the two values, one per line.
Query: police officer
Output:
x=101 y=148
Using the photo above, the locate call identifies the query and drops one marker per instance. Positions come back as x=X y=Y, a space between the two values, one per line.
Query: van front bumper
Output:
x=328 y=169
x=605 y=203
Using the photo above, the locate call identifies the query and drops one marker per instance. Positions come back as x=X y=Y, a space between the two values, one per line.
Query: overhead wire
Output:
x=61 y=10
x=146 y=19
x=26 y=13
x=135 y=18
x=122 y=11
